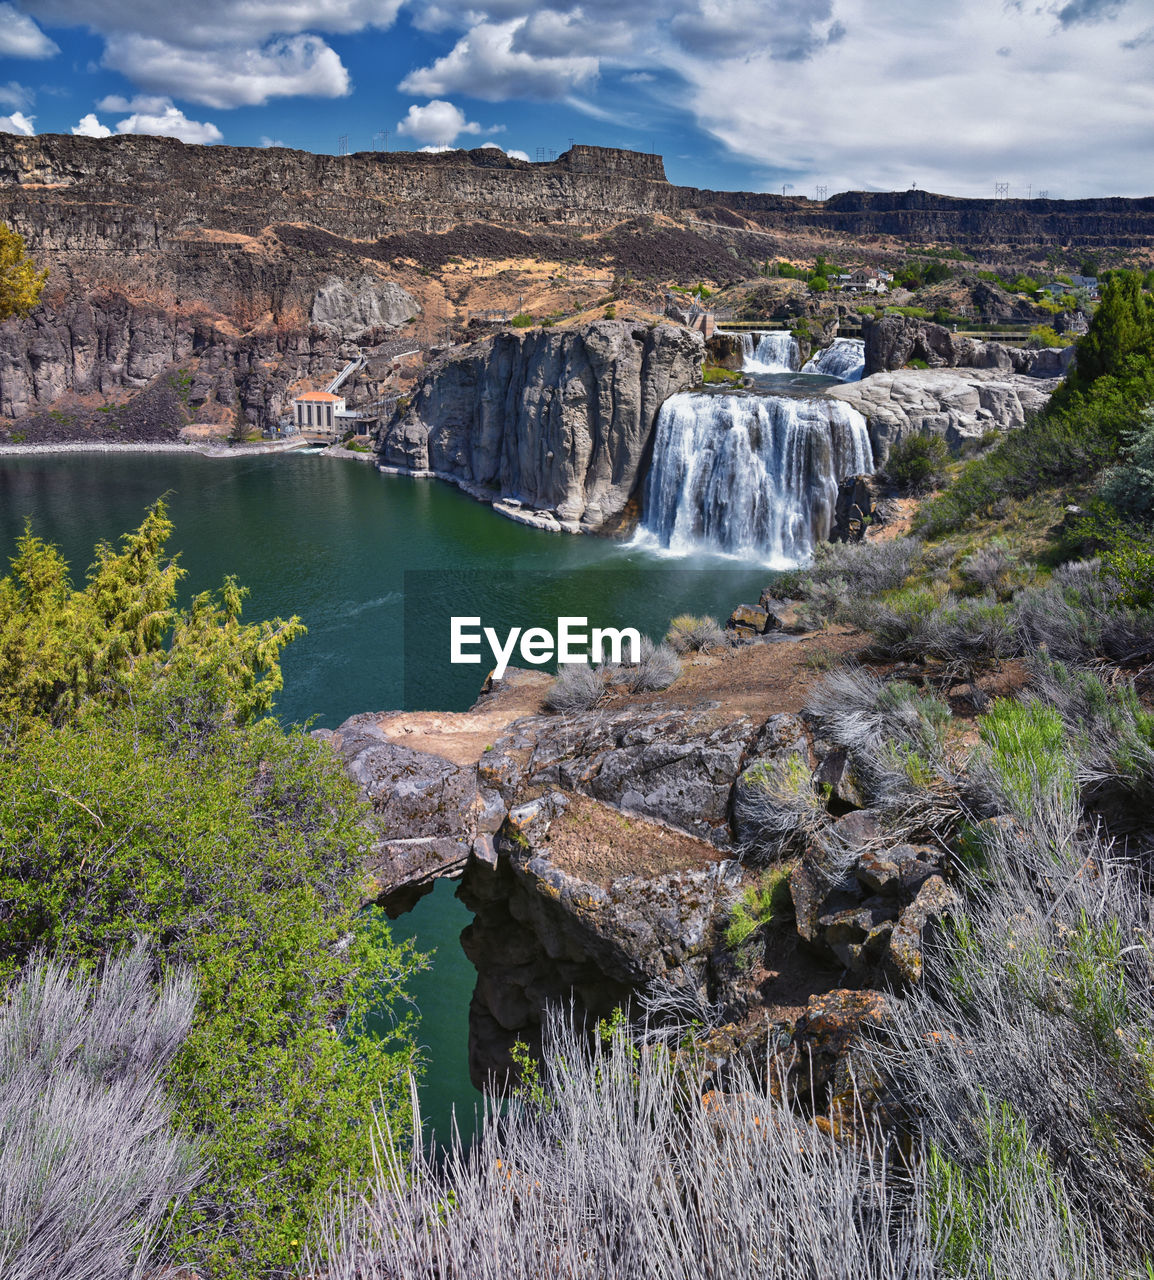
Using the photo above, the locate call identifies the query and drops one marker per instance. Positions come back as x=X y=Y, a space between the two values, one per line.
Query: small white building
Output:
x=319 y=411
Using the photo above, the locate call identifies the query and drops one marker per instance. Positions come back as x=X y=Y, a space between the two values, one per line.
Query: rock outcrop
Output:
x=558 y=422
x=892 y=342
x=349 y=308
x=956 y=404
x=604 y=853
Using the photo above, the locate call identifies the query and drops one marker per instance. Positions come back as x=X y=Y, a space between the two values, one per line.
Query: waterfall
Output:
x=750 y=475
x=845 y=360
x=775 y=352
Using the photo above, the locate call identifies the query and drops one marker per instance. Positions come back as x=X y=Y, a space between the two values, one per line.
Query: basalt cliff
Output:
x=222 y=281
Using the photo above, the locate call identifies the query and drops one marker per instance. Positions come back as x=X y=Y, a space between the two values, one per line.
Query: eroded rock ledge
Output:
x=601 y=856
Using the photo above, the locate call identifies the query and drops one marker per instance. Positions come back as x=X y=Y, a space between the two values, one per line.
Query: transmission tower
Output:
x=1043 y=195
x=540 y=155
x=821 y=192
x=343 y=145
x=1001 y=190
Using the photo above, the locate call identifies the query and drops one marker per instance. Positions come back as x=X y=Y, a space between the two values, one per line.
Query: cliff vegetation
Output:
x=156 y=826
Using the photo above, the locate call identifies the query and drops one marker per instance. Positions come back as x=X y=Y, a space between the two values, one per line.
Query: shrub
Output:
x=1034 y=977
x=578 y=686
x=690 y=634
x=626 y=1163
x=768 y=900
x=842 y=570
x=157 y=805
x=657 y=668
x=1044 y=335
x=522 y=321
x=1027 y=745
x=89 y=1166
x=917 y=464
x=1129 y=486
x=776 y=809
x=989 y=568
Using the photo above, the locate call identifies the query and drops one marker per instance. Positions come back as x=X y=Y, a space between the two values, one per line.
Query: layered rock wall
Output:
x=558 y=421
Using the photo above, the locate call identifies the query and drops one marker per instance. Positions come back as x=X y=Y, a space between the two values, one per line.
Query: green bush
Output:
x=917 y=463
x=1027 y=744
x=768 y=900
x=143 y=798
x=1129 y=486
x=522 y=321
x=1065 y=445
x=1044 y=335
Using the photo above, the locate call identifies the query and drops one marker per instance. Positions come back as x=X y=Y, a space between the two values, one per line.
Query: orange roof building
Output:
x=317 y=411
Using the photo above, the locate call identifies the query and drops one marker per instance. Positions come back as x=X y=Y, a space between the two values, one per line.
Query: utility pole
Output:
x=1001 y=190
x=343 y=145
x=786 y=186
x=821 y=192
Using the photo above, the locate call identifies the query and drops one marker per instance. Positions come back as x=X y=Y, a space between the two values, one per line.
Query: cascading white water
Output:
x=775 y=352
x=750 y=475
x=845 y=360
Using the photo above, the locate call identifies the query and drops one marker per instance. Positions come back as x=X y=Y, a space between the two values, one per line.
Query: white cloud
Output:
x=222 y=53
x=485 y=64
x=900 y=108
x=20 y=37
x=170 y=123
x=216 y=24
x=789 y=30
x=15 y=95
x=18 y=122
x=434 y=149
x=438 y=122
x=138 y=102
x=90 y=127
x=518 y=155
x=232 y=77
x=272 y=142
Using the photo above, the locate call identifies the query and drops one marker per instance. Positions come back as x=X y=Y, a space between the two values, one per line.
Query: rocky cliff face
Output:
x=894 y=341
x=957 y=404
x=560 y=422
x=260 y=263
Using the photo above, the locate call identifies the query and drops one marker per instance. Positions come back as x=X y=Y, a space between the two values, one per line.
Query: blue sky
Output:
x=953 y=95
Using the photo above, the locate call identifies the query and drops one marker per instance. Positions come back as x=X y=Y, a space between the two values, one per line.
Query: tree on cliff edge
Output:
x=20 y=282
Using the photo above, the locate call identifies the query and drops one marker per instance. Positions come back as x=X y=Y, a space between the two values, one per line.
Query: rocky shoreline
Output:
x=603 y=854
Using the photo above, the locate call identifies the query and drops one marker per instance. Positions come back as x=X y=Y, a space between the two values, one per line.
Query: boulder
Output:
x=905 y=960
x=827 y=1033
x=749 y=620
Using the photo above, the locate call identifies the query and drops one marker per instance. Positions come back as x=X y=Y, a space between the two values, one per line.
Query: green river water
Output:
x=367 y=560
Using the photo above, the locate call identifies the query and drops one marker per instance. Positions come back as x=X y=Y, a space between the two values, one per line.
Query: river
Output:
x=367 y=561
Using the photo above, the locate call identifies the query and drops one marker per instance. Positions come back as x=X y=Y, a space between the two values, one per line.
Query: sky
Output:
x=809 y=97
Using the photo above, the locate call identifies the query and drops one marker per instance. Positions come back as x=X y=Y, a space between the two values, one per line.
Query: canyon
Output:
x=247 y=275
